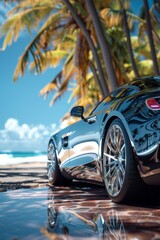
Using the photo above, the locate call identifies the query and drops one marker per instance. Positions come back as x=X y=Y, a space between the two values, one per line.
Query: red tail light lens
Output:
x=153 y=103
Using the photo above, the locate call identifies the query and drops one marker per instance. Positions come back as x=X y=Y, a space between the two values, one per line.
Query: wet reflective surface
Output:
x=80 y=211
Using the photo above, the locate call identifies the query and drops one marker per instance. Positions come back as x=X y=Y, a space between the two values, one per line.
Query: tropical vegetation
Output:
x=100 y=44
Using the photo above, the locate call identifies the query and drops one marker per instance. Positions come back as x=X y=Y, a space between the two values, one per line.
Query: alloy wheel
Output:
x=114 y=160
x=51 y=162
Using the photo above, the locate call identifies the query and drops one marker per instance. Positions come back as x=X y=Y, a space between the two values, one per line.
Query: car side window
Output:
x=117 y=94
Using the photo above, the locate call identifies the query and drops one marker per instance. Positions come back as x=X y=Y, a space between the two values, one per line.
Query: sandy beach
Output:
x=23 y=175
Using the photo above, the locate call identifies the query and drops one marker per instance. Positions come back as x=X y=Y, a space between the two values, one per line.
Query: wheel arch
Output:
x=110 y=118
x=52 y=139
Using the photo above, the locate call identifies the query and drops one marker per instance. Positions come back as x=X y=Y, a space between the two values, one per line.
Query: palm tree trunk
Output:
x=129 y=40
x=102 y=83
x=150 y=37
x=94 y=71
x=103 y=44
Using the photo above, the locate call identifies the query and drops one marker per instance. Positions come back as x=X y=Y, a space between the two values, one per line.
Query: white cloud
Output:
x=11 y=124
x=16 y=137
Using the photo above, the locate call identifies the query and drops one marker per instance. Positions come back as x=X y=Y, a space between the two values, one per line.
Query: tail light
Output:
x=153 y=103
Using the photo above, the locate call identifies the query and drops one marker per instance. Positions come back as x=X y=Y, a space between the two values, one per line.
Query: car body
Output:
x=117 y=145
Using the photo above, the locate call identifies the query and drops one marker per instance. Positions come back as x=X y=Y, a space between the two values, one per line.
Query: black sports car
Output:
x=118 y=144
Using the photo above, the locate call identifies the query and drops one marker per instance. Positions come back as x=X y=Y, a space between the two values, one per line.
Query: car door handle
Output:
x=91 y=120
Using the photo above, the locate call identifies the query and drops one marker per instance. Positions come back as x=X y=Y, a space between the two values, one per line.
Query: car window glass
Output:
x=146 y=83
x=117 y=94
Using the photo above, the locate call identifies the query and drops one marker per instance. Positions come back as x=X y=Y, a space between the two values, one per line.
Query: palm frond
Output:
x=69 y=69
x=34 y=48
x=49 y=59
x=145 y=67
x=111 y=17
x=60 y=82
x=60 y=91
x=53 y=85
x=23 y=5
x=28 y=19
x=141 y=46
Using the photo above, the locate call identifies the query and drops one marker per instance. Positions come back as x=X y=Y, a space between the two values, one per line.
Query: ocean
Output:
x=7 y=157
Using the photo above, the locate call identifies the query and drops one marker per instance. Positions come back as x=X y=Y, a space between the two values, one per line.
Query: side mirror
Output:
x=77 y=111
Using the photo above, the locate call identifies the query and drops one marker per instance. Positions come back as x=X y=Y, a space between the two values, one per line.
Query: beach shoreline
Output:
x=23 y=175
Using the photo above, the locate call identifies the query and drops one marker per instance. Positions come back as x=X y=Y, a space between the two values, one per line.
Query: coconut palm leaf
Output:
x=63 y=87
x=53 y=85
x=92 y=92
x=28 y=15
x=113 y=18
x=34 y=48
x=145 y=67
x=50 y=58
x=27 y=19
x=155 y=18
x=25 y=4
x=141 y=46
x=60 y=82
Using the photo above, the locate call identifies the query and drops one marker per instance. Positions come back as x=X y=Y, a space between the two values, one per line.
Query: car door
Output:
x=83 y=148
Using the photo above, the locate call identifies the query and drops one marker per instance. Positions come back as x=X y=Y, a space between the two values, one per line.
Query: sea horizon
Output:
x=15 y=157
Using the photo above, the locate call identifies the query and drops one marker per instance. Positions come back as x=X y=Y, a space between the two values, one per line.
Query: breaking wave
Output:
x=21 y=157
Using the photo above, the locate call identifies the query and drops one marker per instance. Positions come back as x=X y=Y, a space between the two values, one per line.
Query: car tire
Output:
x=53 y=172
x=120 y=173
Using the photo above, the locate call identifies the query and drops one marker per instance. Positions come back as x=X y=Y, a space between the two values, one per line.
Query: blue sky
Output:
x=26 y=119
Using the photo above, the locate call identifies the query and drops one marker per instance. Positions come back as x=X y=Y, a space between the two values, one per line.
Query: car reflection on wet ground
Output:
x=81 y=211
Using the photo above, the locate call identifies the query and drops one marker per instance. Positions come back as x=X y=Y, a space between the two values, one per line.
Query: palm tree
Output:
x=150 y=37
x=126 y=28
x=83 y=28
x=103 y=44
x=77 y=65
x=74 y=40
x=51 y=26
x=155 y=19
x=42 y=39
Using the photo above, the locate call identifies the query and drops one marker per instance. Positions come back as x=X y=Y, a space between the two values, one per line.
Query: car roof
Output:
x=146 y=82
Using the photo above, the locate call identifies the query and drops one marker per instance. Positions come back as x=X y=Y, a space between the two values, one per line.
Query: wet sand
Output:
x=24 y=175
x=31 y=209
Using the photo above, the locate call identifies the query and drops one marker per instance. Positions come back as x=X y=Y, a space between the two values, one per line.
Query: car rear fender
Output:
x=108 y=119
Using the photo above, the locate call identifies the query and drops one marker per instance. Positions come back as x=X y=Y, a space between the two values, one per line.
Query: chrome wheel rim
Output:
x=52 y=216
x=114 y=160
x=51 y=162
